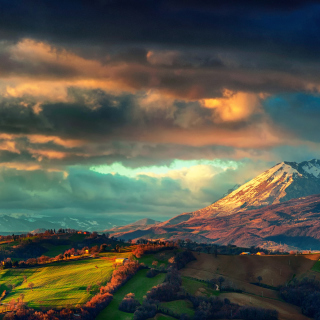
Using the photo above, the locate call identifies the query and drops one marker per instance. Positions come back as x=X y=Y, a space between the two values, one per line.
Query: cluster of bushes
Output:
x=169 y=290
x=147 y=310
x=152 y=273
x=129 y=303
x=182 y=258
x=305 y=294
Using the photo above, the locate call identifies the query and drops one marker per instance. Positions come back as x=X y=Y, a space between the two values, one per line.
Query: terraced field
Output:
x=59 y=284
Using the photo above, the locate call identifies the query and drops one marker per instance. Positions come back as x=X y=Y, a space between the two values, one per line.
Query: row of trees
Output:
x=142 y=249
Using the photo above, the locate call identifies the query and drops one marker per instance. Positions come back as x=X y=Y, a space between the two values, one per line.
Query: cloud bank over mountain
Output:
x=87 y=85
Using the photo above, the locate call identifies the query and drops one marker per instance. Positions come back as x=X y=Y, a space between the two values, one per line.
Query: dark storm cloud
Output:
x=143 y=83
x=99 y=128
x=299 y=113
x=94 y=114
x=199 y=23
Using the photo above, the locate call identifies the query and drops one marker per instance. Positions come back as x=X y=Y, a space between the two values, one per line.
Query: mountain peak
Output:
x=284 y=181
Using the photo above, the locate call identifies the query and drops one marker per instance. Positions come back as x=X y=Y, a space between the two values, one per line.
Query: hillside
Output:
x=279 y=206
x=294 y=223
x=135 y=226
x=241 y=272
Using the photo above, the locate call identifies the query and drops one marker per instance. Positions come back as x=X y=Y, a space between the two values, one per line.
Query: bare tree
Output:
x=31 y=285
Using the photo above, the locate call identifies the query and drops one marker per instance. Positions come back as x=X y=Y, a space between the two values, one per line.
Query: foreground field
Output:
x=241 y=272
x=57 y=285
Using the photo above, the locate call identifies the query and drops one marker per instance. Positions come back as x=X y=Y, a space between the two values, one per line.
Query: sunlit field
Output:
x=58 y=285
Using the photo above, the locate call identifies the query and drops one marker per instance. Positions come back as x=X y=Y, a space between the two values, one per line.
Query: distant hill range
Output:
x=23 y=223
x=138 y=225
x=260 y=212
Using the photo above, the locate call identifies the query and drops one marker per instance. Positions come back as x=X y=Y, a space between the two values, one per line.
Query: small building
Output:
x=260 y=254
x=121 y=260
x=245 y=253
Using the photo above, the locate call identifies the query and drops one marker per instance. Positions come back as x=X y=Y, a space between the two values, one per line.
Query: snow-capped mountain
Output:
x=281 y=205
x=284 y=181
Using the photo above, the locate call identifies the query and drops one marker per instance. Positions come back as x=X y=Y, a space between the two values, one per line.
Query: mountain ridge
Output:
x=282 y=182
x=269 y=204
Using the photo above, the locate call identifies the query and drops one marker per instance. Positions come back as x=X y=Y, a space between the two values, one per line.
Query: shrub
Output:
x=152 y=273
x=129 y=303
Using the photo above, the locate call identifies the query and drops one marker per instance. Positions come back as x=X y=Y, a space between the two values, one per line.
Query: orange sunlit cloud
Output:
x=235 y=106
x=70 y=143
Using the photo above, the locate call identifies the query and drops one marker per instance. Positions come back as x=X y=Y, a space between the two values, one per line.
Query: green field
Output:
x=139 y=285
x=195 y=286
x=179 y=306
x=316 y=266
x=59 y=284
x=160 y=316
x=53 y=250
x=161 y=257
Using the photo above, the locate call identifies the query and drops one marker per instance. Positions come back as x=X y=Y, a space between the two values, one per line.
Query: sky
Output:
x=151 y=108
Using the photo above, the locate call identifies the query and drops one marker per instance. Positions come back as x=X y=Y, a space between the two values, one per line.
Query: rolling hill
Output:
x=137 y=225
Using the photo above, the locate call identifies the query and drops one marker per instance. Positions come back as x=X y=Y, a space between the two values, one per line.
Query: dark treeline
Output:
x=305 y=294
x=216 y=249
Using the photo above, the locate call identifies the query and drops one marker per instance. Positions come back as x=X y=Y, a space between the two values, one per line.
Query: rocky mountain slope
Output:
x=284 y=181
x=294 y=223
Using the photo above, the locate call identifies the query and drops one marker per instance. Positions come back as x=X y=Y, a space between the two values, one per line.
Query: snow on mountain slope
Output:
x=284 y=181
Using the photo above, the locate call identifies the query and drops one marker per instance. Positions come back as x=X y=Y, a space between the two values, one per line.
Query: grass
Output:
x=194 y=286
x=77 y=237
x=57 y=285
x=139 y=285
x=161 y=257
x=316 y=266
x=180 y=306
x=53 y=250
x=160 y=316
